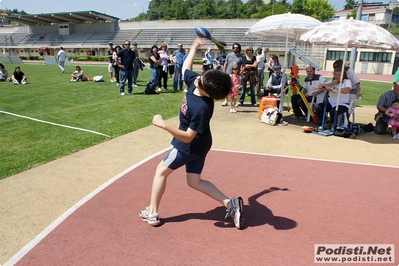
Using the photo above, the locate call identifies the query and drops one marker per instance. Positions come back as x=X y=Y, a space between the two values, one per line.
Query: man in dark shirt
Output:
x=127 y=57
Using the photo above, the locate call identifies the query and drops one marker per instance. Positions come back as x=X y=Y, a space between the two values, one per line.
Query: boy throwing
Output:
x=192 y=140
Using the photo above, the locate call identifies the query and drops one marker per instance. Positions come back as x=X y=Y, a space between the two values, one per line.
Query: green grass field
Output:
x=95 y=106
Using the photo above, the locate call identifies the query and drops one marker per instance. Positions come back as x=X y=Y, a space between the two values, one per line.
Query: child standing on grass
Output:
x=192 y=140
x=393 y=113
x=236 y=84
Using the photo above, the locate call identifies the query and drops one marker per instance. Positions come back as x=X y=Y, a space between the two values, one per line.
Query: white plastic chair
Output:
x=350 y=112
x=311 y=104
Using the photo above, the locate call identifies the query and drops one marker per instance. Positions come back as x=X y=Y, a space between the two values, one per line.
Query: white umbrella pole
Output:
x=286 y=49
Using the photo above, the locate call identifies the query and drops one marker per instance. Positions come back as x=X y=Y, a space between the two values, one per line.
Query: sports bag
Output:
x=271 y=116
x=98 y=78
x=150 y=89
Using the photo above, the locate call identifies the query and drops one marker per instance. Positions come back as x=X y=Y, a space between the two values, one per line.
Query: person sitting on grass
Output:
x=18 y=77
x=3 y=73
x=192 y=140
x=78 y=75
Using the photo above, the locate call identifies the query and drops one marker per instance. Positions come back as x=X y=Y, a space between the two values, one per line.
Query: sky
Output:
x=122 y=9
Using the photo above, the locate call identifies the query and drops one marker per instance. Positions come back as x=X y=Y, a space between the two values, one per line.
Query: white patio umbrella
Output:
x=282 y=25
x=350 y=33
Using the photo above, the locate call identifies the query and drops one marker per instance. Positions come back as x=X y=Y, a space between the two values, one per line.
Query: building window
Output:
x=372 y=17
x=375 y=57
x=337 y=55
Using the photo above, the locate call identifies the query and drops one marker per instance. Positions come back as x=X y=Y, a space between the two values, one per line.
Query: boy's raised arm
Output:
x=188 y=63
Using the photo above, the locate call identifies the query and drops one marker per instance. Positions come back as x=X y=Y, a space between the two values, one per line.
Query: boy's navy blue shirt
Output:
x=195 y=113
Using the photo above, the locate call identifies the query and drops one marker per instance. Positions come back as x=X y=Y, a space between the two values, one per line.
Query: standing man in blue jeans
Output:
x=177 y=57
x=127 y=57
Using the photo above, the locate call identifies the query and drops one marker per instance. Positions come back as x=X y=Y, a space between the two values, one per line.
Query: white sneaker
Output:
x=236 y=211
x=135 y=85
x=159 y=89
x=122 y=93
x=395 y=136
x=224 y=103
x=185 y=90
x=117 y=84
x=24 y=82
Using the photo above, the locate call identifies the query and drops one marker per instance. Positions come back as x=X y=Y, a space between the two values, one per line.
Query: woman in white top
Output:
x=260 y=58
x=332 y=87
x=115 y=57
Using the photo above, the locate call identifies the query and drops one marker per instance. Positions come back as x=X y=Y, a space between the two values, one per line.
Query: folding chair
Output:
x=351 y=112
x=311 y=105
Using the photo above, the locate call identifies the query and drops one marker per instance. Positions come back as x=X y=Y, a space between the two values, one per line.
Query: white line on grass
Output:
x=55 y=124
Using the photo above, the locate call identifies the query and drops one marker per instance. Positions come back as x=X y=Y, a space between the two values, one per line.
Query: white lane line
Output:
x=310 y=159
x=55 y=124
x=28 y=247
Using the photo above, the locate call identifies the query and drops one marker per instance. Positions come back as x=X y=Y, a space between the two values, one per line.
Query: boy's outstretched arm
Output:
x=188 y=63
x=185 y=136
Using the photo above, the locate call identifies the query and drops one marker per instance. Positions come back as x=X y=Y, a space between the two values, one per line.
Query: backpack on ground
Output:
x=271 y=116
x=150 y=89
x=98 y=79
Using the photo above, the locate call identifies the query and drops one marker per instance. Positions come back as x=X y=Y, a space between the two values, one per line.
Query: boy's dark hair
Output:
x=216 y=83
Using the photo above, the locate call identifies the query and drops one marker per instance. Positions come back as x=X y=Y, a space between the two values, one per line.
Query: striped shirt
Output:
x=385 y=101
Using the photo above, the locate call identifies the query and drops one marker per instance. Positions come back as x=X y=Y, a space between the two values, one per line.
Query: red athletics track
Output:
x=291 y=204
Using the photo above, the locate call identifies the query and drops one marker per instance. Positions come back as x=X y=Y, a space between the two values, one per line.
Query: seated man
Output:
x=312 y=82
x=78 y=75
x=274 y=84
x=383 y=104
x=3 y=73
x=18 y=77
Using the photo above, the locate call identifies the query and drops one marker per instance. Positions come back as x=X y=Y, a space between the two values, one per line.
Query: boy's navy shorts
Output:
x=175 y=159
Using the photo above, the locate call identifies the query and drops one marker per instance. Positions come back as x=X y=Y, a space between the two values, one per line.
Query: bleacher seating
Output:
x=150 y=36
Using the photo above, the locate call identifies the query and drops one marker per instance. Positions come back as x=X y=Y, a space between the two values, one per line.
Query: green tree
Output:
x=319 y=9
x=352 y=14
x=297 y=6
x=350 y=4
x=234 y=9
x=252 y=8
